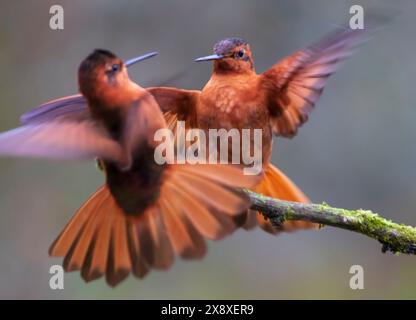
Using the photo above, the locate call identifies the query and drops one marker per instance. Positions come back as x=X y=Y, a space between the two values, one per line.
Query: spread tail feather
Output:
x=276 y=184
x=196 y=202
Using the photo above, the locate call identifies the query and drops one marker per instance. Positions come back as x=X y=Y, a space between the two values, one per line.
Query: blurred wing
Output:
x=143 y=120
x=294 y=85
x=61 y=140
x=177 y=105
x=74 y=107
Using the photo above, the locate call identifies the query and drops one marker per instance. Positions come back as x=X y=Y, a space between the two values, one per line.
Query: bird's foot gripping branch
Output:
x=394 y=237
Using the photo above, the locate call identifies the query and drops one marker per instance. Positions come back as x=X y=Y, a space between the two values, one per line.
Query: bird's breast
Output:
x=241 y=106
x=226 y=100
x=232 y=106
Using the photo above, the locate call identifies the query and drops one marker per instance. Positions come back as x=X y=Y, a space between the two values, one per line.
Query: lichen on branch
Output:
x=394 y=237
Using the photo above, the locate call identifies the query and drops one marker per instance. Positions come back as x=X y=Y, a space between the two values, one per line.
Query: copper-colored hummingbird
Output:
x=278 y=101
x=146 y=212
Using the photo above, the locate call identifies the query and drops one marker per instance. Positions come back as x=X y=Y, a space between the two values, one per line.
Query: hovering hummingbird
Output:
x=146 y=212
x=277 y=101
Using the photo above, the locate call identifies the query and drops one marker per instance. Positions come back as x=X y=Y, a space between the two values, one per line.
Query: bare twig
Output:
x=394 y=237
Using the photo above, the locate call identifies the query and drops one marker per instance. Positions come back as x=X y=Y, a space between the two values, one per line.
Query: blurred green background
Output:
x=357 y=150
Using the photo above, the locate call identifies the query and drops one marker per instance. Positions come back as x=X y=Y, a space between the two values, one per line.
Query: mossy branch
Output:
x=394 y=237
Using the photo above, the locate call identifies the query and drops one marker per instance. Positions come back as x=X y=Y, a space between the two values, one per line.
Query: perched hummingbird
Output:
x=277 y=101
x=146 y=212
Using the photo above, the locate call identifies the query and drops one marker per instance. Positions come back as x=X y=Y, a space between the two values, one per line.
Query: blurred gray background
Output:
x=356 y=151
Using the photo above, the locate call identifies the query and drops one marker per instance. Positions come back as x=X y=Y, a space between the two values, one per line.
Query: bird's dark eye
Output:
x=115 y=67
x=240 y=54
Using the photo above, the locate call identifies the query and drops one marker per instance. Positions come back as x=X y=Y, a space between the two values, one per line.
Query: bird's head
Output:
x=102 y=71
x=231 y=55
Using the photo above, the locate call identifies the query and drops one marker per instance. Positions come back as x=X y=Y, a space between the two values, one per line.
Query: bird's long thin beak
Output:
x=132 y=61
x=208 y=58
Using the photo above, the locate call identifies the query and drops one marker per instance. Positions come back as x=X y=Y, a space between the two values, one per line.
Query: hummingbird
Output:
x=146 y=213
x=277 y=101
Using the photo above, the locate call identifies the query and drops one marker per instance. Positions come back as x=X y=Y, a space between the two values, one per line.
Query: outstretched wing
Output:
x=177 y=105
x=74 y=107
x=294 y=84
x=61 y=139
x=64 y=129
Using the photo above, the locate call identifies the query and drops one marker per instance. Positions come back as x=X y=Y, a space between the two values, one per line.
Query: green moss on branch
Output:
x=394 y=237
